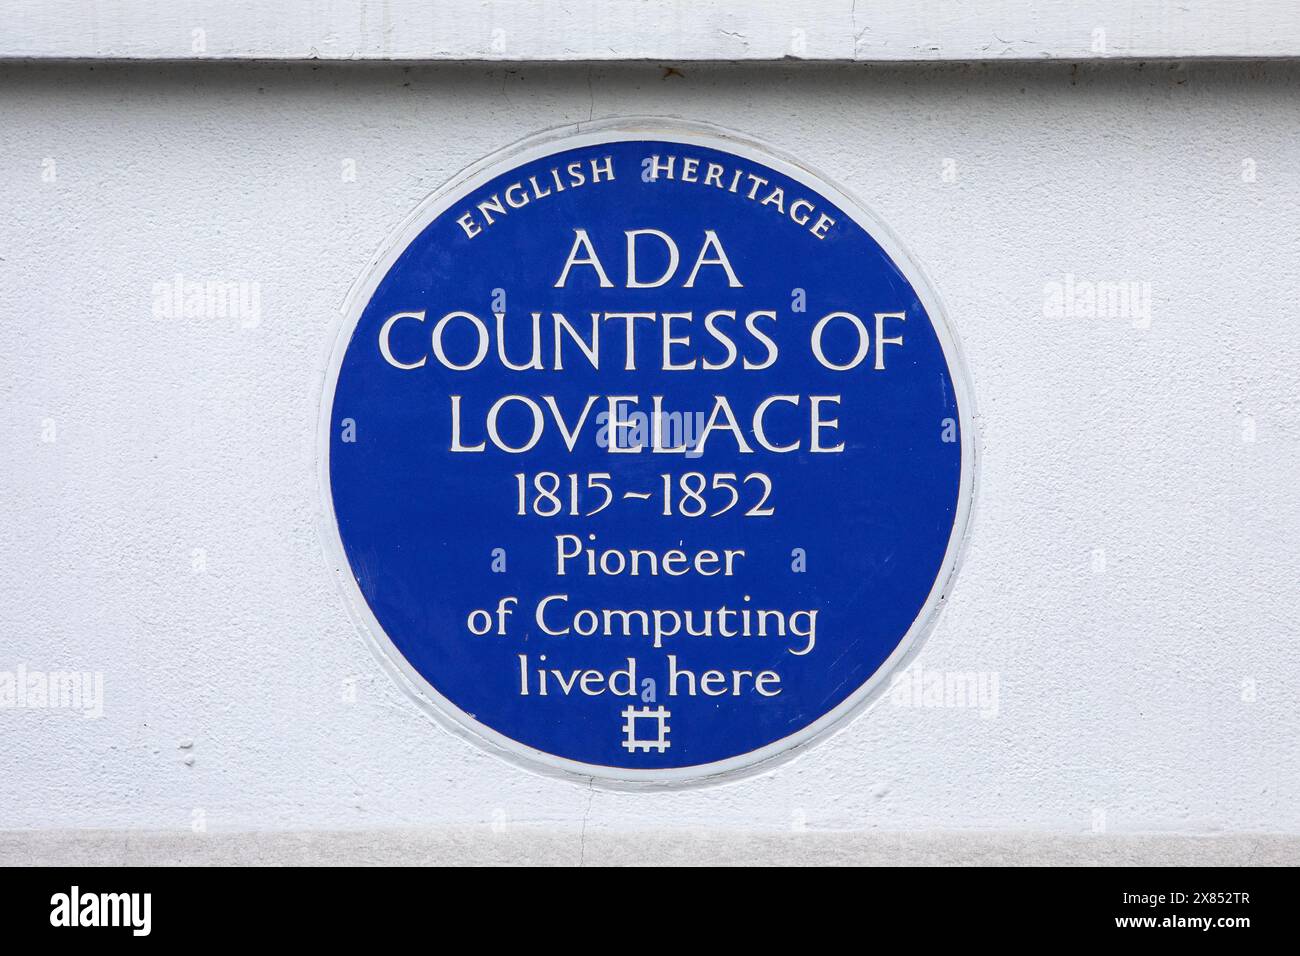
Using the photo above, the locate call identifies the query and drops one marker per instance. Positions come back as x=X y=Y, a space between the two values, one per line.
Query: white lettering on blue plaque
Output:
x=646 y=454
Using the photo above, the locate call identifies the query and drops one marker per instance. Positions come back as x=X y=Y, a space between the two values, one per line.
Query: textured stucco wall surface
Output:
x=591 y=30
x=1130 y=580
x=687 y=846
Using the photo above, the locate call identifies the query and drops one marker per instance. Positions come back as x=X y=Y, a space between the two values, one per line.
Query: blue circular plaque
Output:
x=646 y=454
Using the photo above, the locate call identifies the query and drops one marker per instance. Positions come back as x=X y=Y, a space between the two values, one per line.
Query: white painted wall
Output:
x=1120 y=691
x=675 y=30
